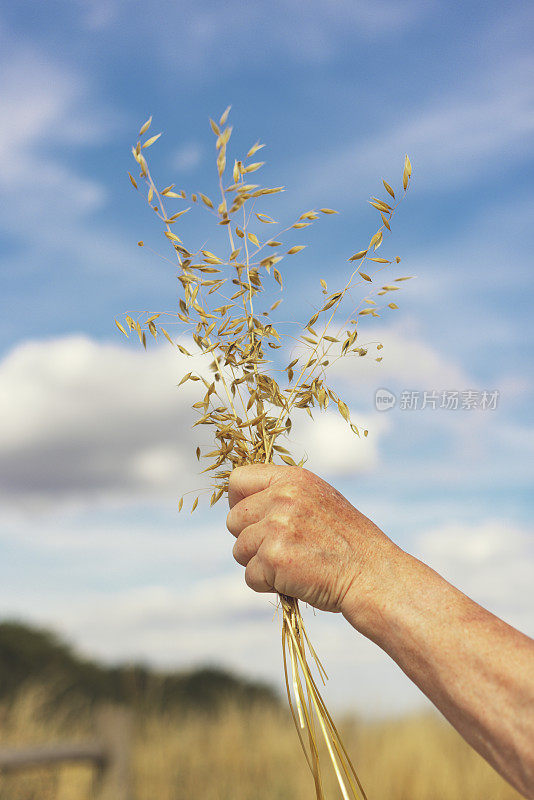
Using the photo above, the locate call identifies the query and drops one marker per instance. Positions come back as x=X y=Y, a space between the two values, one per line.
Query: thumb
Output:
x=252 y=478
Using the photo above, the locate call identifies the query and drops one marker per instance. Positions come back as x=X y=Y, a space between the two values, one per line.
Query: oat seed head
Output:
x=247 y=401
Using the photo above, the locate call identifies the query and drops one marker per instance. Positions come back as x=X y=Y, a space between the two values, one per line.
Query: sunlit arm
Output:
x=477 y=670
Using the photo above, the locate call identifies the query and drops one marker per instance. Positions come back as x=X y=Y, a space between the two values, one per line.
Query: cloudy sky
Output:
x=95 y=439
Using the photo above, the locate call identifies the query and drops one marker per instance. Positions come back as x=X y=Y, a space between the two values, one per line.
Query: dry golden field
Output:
x=247 y=754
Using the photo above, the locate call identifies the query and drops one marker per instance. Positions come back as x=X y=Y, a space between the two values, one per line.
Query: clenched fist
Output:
x=298 y=536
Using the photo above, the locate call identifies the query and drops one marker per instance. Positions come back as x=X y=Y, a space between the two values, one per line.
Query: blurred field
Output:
x=246 y=754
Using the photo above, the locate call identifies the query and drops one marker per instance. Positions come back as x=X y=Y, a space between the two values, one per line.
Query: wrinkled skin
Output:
x=299 y=536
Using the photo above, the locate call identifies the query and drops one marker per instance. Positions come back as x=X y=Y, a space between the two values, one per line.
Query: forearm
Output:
x=475 y=668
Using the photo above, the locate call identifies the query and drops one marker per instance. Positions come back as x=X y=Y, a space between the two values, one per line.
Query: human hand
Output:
x=298 y=536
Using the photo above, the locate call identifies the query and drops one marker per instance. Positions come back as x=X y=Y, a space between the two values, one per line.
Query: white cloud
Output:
x=45 y=107
x=331 y=447
x=83 y=419
x=49 y=204
x=409 y=361
x=89 y=420
x=86 y=421
x=120 y=544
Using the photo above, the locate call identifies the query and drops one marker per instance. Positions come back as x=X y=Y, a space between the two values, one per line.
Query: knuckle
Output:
x=280 y=520
x=273 y=552
x=288 y=491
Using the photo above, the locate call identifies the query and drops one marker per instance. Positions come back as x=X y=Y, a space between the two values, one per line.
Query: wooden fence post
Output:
x=114 y=730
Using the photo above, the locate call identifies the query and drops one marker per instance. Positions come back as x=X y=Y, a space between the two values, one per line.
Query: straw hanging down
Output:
x=242 y=354
x=294 y=639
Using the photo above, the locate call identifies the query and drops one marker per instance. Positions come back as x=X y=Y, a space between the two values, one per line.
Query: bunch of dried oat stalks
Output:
x=248 y=409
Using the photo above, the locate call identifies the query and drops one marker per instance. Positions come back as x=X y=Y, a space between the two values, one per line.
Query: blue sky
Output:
x=95 y=445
